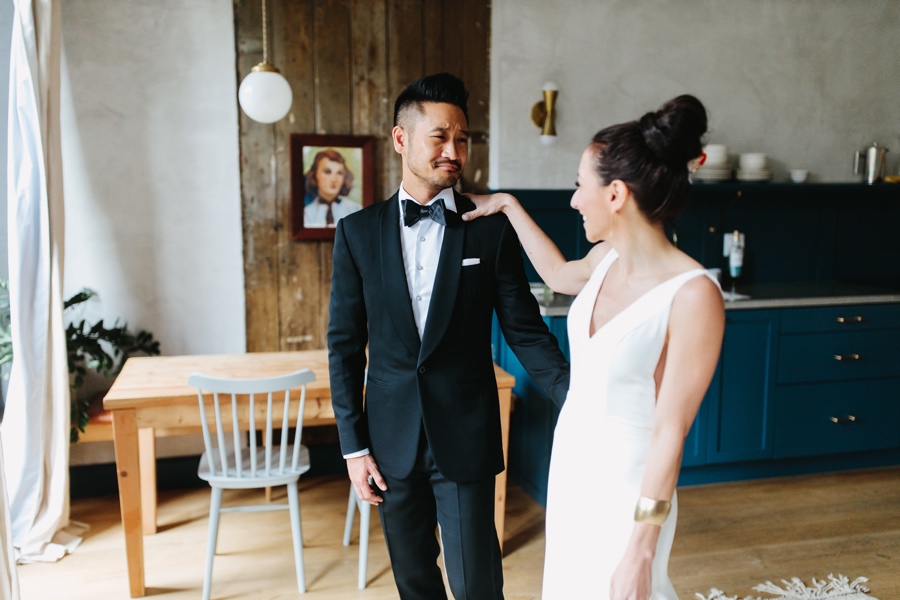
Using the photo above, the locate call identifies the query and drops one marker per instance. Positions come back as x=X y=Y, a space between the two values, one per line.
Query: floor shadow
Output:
x=311 y=583
x=163 y=527
x=522 y=537
x=156 y=591
x=96 y=528
x=370 y=578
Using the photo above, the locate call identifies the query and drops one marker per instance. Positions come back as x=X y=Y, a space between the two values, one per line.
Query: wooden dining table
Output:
x=150 y=397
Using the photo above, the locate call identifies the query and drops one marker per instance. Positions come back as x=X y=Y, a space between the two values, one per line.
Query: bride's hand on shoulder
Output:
x=488 y=204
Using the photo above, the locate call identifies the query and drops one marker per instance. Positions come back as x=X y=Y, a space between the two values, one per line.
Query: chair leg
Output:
x=364 y=513
x=266 y=442
x=215 y=505
x=351 y=513
x=297 y=534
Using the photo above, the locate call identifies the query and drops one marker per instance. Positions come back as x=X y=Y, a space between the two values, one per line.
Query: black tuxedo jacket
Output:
x=445 y=381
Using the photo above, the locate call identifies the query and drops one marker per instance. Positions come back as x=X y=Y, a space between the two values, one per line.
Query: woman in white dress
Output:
x=645 y=332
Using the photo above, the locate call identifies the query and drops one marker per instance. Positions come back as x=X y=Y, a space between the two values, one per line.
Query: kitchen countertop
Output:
x=773 y=295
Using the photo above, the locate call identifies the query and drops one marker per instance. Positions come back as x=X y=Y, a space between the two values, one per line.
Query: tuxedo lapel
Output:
x=446 y=282
x=393 y=277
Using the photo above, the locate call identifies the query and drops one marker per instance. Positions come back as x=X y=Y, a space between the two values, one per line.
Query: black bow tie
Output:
x=413 y=212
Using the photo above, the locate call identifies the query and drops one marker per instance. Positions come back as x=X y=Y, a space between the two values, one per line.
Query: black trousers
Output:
x=412 y=509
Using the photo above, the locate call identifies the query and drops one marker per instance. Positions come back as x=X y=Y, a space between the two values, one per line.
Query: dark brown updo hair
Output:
x=651 y=155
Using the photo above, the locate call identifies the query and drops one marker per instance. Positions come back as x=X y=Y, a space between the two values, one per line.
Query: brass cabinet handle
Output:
x=846 y=357
x=839 y=420
x=849 y=319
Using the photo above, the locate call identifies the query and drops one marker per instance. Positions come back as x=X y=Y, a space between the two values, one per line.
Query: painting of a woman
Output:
x=328 y=182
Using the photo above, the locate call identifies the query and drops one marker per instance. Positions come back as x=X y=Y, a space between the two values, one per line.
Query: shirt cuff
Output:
x=358 y=453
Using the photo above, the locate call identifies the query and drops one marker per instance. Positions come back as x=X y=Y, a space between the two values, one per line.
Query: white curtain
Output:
x=9 y=581
x=35 y=429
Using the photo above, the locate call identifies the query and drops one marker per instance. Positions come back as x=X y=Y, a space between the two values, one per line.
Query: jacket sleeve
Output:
x=347 y=340
x=520 y=320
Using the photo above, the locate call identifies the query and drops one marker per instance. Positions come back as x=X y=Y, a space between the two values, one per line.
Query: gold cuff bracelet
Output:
x=651 y=512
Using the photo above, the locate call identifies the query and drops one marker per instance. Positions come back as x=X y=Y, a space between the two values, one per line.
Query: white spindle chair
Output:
x=365 y=509
x=236 y=458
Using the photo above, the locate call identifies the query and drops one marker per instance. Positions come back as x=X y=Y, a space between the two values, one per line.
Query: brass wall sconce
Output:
x=543 y=114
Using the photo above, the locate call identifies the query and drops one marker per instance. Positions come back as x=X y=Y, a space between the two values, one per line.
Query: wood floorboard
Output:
x=730 y=536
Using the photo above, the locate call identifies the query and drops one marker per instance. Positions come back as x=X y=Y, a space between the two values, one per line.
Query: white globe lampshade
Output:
x=265 y=95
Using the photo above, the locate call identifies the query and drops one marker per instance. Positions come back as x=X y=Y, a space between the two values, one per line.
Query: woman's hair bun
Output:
x=674 y=132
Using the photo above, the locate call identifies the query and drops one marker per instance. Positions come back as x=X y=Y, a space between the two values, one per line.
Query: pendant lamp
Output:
x=265 y=95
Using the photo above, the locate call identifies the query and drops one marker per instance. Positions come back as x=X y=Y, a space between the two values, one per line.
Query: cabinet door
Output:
x=533 y=419
x=695 y=446
x=831 y=418
x=739 y=411
x=850 y=355
x=840 y=319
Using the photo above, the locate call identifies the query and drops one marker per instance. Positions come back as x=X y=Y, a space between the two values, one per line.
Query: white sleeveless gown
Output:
x=601 y=440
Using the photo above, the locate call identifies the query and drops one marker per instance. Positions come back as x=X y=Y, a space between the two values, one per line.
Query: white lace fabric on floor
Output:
x=837 y=587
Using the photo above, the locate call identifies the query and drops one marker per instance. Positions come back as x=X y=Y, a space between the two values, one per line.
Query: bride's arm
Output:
x=696 y=327
x=564 y=277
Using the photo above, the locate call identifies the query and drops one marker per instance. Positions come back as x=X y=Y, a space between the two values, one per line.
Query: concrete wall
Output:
x=153 y=208
x=806 y=81
x=152 y=181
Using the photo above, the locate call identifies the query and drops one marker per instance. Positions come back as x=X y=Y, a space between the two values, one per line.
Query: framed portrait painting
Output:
x=331 y=177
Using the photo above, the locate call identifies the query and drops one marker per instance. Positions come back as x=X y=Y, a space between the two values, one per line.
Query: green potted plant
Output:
x=90 y=347
x=5 y=330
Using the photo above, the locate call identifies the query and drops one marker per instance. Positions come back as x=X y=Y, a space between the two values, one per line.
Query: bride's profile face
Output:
x=591 y=199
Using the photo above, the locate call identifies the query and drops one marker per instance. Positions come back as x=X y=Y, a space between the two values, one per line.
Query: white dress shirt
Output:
x=421 y=245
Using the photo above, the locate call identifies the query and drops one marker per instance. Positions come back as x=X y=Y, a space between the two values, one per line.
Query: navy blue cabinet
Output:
x=838 y=380
x=533 y=418
x=739 y=402
x=831 y=418
x=813 y=232
x=695 y=444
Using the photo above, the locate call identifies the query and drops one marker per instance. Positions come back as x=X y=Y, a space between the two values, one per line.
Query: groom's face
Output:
x=434 y=144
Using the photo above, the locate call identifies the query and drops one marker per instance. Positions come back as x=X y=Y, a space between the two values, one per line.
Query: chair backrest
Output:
x=249 y=415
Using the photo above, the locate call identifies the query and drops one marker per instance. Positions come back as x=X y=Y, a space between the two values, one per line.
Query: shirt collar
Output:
x=446 y=194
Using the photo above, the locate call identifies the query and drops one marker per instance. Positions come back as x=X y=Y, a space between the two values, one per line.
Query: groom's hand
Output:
x=360 y=470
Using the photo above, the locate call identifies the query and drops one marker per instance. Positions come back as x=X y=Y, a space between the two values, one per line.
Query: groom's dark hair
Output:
x=441 y=87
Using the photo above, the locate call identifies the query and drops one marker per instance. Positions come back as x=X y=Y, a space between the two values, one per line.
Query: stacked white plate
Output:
x=761 y=175
x=717 y=167
x=753 y=166
x=714 y=173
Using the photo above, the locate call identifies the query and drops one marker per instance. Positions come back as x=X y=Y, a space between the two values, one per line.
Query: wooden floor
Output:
x=730 y=536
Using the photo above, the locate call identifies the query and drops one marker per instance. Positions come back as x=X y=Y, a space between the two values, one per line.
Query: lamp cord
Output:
x=265 y=36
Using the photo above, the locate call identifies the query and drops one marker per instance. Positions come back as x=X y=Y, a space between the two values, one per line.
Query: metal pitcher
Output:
x=870 y=162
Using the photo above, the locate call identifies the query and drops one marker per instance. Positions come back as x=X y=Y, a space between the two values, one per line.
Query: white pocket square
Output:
x=471 y=261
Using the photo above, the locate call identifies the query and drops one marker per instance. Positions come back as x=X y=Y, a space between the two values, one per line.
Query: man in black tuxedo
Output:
x=418 y=285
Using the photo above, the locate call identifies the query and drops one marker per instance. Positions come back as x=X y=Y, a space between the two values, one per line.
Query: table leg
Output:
x=500 y=483
x=125 y=440
x=147 y=453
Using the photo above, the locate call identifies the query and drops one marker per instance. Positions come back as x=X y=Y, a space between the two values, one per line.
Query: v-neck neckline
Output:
x=615 y=257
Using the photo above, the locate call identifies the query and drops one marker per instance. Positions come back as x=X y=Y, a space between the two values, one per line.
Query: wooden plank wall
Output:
x=346 y=61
